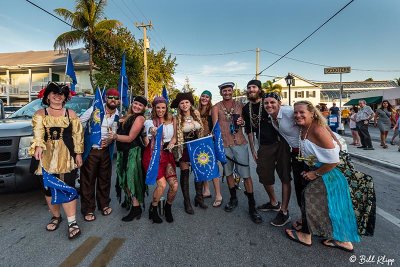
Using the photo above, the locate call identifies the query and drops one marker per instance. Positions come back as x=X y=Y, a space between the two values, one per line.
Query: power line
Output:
x=211 y=55
x=307 y=37
x=51 y=14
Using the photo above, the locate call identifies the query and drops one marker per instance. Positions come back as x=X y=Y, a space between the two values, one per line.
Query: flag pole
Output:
x=66 y=66
x=120 y=100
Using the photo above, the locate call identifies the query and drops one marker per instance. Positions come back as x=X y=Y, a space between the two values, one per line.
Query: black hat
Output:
x=273 y=95
x=182 y=96
x=55 y=88
x=140 y=99
x=226 y=85
x=254 y=82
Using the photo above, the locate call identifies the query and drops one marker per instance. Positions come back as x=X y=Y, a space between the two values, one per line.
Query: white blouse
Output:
x=323 y=155
x=168 y=131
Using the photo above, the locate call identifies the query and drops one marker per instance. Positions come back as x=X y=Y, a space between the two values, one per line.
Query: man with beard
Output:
x=96 y=170
x=228 y=113
x=273 y=153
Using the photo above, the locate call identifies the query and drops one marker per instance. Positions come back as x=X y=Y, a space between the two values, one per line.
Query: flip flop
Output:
x=295 y=237
x=106 y=211
x=89 y=214
x=334 y=244
x=217 y=203
x=208 y=196
x=297 y=225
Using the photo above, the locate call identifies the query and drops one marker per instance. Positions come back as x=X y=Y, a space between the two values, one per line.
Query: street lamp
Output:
x=289 y=81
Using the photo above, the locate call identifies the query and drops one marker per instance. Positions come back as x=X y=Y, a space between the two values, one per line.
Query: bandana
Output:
x=112 y=91
x=206 y=92
x=158 y=100
x=273 y=95
x=254 y=82
x=141 y=99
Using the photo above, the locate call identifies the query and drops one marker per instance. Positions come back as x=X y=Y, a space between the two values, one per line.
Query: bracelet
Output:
x=317 y=174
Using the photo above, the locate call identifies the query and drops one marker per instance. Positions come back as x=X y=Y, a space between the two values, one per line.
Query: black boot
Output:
x=185 y=191
x=254 y=215
x=168 y=213
x=199 y=200
x=154 y=214
x=135 y=212
x=233 y=202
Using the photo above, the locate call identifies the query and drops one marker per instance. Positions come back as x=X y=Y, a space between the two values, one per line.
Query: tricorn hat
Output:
x=182 y=96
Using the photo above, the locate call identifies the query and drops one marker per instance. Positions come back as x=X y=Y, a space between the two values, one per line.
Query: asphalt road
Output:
x=210 y=237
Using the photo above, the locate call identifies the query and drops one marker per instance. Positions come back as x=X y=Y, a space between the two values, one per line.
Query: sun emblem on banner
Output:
x=96 y=116
x=203 y=158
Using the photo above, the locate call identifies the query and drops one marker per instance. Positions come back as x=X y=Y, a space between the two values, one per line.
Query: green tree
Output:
x=369 y=80
x=88 y=27
x=397 y=81
x=269 y=87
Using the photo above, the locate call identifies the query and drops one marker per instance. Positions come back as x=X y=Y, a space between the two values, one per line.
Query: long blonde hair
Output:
x=318 y=117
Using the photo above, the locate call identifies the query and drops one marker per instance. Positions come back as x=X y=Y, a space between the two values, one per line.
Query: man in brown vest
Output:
x=228 y=113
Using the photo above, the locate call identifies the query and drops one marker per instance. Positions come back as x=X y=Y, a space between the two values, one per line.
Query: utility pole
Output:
x=257 y=63
x=146 y=45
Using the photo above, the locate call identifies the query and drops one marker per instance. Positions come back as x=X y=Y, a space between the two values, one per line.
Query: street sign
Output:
x=337 y=70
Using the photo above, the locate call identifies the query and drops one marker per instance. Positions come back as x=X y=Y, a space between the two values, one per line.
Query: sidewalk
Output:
x=389 y=157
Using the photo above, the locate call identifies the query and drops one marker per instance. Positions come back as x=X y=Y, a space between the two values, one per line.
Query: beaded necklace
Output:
x=255 y=120
x=310 y=160
x=228 y=115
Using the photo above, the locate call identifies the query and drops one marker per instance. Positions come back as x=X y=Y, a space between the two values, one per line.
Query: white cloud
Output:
x=230 y=67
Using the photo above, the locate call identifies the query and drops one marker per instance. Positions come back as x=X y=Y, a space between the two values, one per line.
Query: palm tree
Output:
x=88 y=27
x=397 y=81
x=269 y=87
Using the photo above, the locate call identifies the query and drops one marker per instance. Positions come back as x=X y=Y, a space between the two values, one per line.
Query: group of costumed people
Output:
x=336 y=202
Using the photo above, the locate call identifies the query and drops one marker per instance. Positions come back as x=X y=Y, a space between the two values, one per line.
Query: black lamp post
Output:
x=289 y=81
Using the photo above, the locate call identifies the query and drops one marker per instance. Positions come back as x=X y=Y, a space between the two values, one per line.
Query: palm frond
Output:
x=68 y=39
x=65 y=13
x=109 y=24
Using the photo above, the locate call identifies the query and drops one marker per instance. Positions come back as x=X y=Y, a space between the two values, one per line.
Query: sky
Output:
x=215 y=41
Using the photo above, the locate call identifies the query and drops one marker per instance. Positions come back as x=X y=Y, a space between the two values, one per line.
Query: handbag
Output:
x=34 y=165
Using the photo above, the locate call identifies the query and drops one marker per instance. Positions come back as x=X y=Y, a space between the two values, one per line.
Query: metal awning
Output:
x=369 y=100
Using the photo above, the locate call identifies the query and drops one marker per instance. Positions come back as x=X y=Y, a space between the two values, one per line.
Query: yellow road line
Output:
x=108 y=253
x=81 y=252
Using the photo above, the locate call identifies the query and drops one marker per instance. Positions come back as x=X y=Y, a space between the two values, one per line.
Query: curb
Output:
x=381 y=163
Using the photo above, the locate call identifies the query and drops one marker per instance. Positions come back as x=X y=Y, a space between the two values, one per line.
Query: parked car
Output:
x=15 y=139
x=8 y=110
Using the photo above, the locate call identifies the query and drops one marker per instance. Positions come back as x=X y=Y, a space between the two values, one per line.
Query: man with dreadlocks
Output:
x=273 y=152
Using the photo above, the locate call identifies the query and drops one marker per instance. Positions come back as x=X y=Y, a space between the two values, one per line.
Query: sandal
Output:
x=73 y=231
x=334 y=244
x=207 y=196
x=297 y=225
x=217 y=203
x=91 y=216
x=55 y=221
x=385 y=146
x=106 y=211
x=295 y=237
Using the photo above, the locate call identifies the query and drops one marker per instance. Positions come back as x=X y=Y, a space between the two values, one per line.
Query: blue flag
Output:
x=152 y=171
x=60 y=191
x=123 y=84
x=202 y=159
x=165 y=94
x=219 y=144
x=69 y=70
x=97 y=119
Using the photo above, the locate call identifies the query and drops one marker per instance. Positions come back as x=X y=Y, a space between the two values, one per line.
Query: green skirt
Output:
x=130 y=174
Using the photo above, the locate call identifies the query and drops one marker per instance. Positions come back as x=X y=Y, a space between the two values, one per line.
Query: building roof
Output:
x=373 y=85
x=32 y=59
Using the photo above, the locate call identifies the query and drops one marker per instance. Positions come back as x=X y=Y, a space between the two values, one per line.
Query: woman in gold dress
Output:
x=58 y=145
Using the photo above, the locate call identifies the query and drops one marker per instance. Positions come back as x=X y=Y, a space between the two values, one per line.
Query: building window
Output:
x=284 y=94
x=299 y=94
x=310 y=94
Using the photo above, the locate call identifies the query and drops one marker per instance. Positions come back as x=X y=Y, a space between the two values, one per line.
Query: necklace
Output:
x=228 y=115
x=310 y=160
x=56 y=108
x=188 y=119
x=255 y=118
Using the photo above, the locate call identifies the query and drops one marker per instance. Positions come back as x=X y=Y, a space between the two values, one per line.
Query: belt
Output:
x=295 y=150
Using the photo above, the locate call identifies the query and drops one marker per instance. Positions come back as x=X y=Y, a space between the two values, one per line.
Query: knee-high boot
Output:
x=199 y=200
x=185 y=191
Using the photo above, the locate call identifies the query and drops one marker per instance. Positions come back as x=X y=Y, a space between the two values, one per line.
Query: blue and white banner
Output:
x=202 y=159
x=60 y=191
x=219 y=144
x=97 y=119
x=152 y=171
x=123 y=84
x=70 y=71
x=165 y=94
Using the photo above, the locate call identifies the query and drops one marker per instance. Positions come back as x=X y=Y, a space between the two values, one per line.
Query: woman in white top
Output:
x=326 y=205
x=353 y=127
x=167 y=167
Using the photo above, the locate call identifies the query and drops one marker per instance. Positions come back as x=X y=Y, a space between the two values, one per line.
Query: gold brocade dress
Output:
x=61 y=138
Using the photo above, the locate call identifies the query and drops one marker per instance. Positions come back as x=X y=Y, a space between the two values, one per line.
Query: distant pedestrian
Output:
x=353 y=126
x=397 y=128
x=384 y=117
x=395 y=133
x=334 y=110
x=364 y=114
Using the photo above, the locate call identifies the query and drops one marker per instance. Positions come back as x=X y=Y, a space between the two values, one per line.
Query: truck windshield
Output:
x=77 y=104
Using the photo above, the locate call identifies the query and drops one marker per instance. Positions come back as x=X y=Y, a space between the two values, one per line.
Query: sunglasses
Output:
x=113 y=97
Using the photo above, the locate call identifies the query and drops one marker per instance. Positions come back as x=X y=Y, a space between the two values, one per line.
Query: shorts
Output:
x=166 y=167
x=69 y=179
x=274 y=157
x=240 y=154
x=353 y=129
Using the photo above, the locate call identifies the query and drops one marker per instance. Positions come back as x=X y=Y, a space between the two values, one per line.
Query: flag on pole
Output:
x=97 y=119
x=202 y=159
x=60 y=191
x=152 y=171
x=165 y=94
x=69 y=70
x=123 y=84
x=219 y=144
